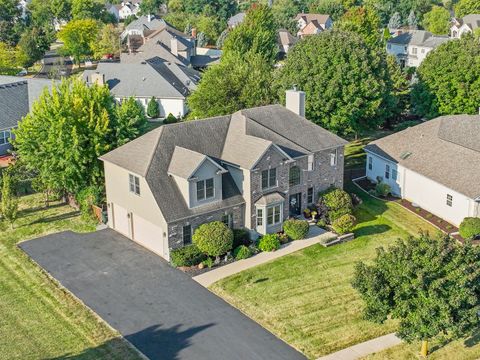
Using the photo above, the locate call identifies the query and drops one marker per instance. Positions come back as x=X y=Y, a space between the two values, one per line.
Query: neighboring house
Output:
x=236 y=20
x=143 y=26
x=124 y=9
x=252 y=169
x=17 y=96
x=168 y=82
x=434 y=165
x=411 y=47
x=311 y=24
x=467 y=24
x=285 y=41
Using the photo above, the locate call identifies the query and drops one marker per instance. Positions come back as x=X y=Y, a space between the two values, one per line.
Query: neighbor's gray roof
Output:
x=236 y=19
x=153 y=78
x=17 y=96
x=150 y=50
x=285 y=38
x=271 y=198
x=472 y=20
x=418 y=38
x=445 y=150
x=143 y=24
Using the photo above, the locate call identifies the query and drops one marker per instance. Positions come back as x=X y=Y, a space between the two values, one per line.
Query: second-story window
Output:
x=134 y=182
x=387 y=171
x=269 y=178
x=370 y=163
x=333 y=158
x=449 y=200
x=205 y=189
x=414 y=51
x=294 y=176
x=311 y=159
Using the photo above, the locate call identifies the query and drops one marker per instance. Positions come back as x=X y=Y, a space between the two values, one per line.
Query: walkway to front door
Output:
x=295 y=204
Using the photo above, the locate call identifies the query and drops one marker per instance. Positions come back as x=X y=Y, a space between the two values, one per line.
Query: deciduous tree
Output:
x=79 y=37
x=108 y=42
x=432 y=286
x=150 y=7
x=11 y=23
x=33 y=44
x=437 y=20
x=466 y=7
x=363 y=21
x=87 y=9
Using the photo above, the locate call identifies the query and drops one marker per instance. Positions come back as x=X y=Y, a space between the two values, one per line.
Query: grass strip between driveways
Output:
x=306 y=298
x=39 y=320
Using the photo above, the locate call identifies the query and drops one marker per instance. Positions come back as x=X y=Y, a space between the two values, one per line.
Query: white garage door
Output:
x=121 y=221
x=148 y=235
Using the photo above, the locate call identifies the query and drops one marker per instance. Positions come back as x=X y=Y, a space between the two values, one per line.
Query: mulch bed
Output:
x=367 y=185
x=194 y=270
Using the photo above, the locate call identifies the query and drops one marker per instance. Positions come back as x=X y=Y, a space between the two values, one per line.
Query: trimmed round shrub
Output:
x=242 y=252
x=189 y=255
x=382 y=189
x=470 y=227
x=214 y=238
x=344 y=224
x=170 y=119
x=296 y=229
x=241 y=237
x=322 y=223
x=269 y=242
x=338 y=203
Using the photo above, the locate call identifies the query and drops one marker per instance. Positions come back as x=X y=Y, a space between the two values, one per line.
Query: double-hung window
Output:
x=311 y=161
x=259 y=217
x=394 y=174
x=205 y=189
x=310 y=195
x=134 y=182
x=387 y=171
x=294 y=176
x=227 y=220
x=269 y=178
x=4 y=137
x=449 y=200
x=273 y=215
x=333 y=158
x=370 y=163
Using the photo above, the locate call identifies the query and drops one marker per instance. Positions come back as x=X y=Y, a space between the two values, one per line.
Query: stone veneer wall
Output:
x=175 y=235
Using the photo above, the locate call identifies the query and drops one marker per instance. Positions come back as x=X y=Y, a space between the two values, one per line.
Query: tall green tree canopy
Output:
x=257 y=33
x=222 y=9
x=449 y=79
x=431 y=285
x=239 y=81
x=335 y=8
x=68 y=129
x=466 y=7
x=284 y=12
x=87 y=9
x=108 y=42
x=437 y=20
x=386 y=8
x=33 y=44
x=79 y=37
x=150 y=7
x=347 y=83
x=11 y=24
x=363 y=21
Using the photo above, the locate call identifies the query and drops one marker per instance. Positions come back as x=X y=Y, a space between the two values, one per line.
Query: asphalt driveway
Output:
x=160 y=310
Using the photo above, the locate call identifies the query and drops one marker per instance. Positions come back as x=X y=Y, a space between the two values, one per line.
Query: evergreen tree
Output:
x=412 y=20
x=395 y=21
x=9 y=202
x=153 y=110
x=221 y=39
x=202 y=39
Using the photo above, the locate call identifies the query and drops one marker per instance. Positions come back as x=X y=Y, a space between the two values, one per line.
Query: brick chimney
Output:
x=295 y=101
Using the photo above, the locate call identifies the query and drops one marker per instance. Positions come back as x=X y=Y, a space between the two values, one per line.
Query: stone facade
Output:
x=175 y=235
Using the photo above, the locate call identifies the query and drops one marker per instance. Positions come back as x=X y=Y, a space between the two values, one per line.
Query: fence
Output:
x=350 y=174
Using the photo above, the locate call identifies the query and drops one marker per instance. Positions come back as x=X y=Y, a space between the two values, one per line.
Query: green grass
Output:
x=306 y=298
x=355 y=157
x=40 y=320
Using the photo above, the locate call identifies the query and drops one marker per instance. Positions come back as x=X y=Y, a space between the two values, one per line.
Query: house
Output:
x=467 y=24
x=285 y=41
x=434 y=165
x=143 y=26
x=168 y=82
x=411 y=47
x=252 y=169
x=311 y=24
x=236 y=20
x=124 y=9
x=17 y=96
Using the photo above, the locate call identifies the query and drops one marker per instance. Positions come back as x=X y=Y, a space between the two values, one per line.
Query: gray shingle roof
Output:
x=142 y=24
x=445 y=150
x=17 y=96
x=472 y=20
x=270 y=199
x=236 y=19
x=285 y=38
x=185 y=162
x=418 y=38
x=224 y=138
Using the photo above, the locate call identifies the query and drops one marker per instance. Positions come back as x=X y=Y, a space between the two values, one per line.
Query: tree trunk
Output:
x=424 y=350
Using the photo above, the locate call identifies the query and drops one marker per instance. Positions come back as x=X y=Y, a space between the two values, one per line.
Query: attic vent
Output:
x=405 y=155
x=144 y=78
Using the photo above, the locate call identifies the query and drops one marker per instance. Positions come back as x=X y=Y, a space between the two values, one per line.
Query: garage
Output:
x=121 y=220
x=148 y=235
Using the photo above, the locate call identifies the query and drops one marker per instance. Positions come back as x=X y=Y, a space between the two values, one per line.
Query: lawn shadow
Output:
x=40 y=208
x=371 y=230
x=59 y=217
x=155 y=342
x=260 y=280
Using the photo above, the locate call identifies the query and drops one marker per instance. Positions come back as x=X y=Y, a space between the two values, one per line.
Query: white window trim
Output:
x=387 y=172
x=134 y=184
x=313 y=194
x=268 y=179
x=370 y=163
x=333 y=158
x=5 y=136
x=311 y=162
x=280 y=214
x=449 y=201
x=205 y=190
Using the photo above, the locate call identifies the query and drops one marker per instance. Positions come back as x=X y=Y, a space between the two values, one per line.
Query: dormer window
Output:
x=205 y=189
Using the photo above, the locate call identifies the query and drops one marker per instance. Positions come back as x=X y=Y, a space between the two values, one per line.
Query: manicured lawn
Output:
x=38 y=319
x=306 y=298
x=355 y=157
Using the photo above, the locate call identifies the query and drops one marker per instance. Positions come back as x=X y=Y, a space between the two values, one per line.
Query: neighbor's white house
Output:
x=465 y=25
x=124 y=9
x=167 y=82
x=435 y=165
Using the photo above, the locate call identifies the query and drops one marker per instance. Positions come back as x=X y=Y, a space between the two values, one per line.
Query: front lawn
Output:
x=306 y=298
x=39 y=319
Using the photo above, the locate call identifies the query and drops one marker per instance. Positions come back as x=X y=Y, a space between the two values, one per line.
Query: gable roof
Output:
x=185 y=162
x=236 y=19
x=284 y=38
x=151 y=78
x=144 y=24
x=239 y=139
x=444 y=149
x=17 y=96
x=418 y=38
x=319 y=18
x=471 y=20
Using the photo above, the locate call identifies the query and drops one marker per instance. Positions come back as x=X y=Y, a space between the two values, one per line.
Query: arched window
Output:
x=294 y=176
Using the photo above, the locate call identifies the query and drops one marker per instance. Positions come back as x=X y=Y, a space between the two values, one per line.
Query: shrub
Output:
x=208 y=262
x=344 y=224
x=382 y=189
x=269 y=242
x=242 y=252
x=470 y=227
x=322 y=223
x=170 y=119
x=338 y=203
x=296 y=229
x=153 y=110
x=214 y=239
x=88 y=197
x=240 y=237
x=189 y=255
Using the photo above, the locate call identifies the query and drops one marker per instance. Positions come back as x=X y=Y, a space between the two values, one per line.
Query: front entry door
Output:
x=295 y=204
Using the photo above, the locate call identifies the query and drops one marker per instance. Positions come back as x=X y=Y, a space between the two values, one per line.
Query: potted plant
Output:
x=307 y=213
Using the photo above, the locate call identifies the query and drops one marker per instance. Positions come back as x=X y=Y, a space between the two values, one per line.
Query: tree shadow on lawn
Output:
x=370 y=230
x=59 y=217
x=155 y=342
x=31 y=210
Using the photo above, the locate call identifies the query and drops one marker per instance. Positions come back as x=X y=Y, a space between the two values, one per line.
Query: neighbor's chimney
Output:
x=98 y=78
x=295 y=101
x=174 y=46
x=149 y=17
